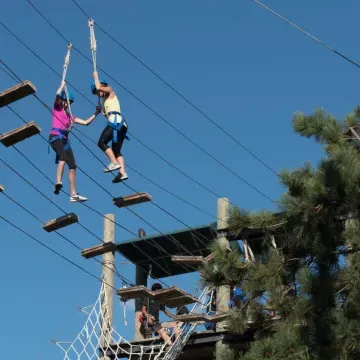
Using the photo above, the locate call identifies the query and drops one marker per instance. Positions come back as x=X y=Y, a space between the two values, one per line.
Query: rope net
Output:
x=99 y=340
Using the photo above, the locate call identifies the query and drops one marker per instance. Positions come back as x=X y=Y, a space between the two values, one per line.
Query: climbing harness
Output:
x=92 y=41
x=116 y=126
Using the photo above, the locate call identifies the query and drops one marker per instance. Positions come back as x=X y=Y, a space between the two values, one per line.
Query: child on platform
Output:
x=115 y=129
x=59 y=140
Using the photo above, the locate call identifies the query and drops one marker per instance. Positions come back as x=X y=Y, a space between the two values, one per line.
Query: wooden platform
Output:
x=131 y=199
x=21 y=133
x=188 y=260
x=60 y=222
x=98 y=250
x=1 y=188
x=171 y=297
x=201 y=318
x=16 y=93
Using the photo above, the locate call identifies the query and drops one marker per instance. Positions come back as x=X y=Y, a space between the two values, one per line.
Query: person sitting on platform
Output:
x=150 y=318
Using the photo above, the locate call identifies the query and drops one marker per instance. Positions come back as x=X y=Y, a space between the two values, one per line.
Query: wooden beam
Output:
x=98 y=250
x=16 y=93
x=134 y=292
x=190 y=260
x=187 y=299
x=131 y=199
x=201 y=317
x=60 y=222
x=1 y=188
x=21 y=133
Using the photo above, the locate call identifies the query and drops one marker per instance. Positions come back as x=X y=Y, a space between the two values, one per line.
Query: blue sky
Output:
x=245 y=68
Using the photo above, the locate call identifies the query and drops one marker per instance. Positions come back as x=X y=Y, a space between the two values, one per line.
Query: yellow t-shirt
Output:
x=112 y=104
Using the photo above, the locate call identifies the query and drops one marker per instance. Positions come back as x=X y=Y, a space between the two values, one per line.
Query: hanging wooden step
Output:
x=2 y=188
x=98 y=250
x=134 y=199
x=21 y=133
x=60 y=222
x=134 y=292
x=186 y=299
x=172 y=292
x=201 y=317
x=188 y=260
x=16 y=93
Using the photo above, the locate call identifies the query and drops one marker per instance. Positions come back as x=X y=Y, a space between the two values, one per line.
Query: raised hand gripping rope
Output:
x=66 y=65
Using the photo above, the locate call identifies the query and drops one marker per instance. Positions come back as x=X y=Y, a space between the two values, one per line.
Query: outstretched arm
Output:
x=58 y=92
x=104 y=89
x=168 y=313
x=90 y=119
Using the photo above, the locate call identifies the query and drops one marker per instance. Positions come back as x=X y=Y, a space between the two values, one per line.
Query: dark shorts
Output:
x=63 y=153
x=154 y=327
x=107 y=136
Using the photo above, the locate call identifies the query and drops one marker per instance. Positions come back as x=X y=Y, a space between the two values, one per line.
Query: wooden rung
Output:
x=191 y=260
x=134 y=292
x=131 y=199
x=201 y=317
x=168 y=293
x=180 y=301
x=60 y=222
x=16 y=92
x=23 y=132
x=1 y=188
x=98 y=250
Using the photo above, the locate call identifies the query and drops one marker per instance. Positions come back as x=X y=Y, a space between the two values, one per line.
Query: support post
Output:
x=222 y=292
x=141 y=279
x=108 y=271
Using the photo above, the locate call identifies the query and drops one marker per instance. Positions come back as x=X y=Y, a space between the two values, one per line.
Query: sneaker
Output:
x=120 y=177
x=112 y=167
x=77 y=198
x=58 y=187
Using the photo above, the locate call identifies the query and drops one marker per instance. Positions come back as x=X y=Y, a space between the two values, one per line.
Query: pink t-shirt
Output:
x=60 y=120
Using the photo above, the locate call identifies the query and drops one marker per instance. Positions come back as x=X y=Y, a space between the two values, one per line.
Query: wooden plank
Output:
x=131 y=199
x=19 y=134
x=60 y=222
x=2 y=188
x=168 y=293
x=98 y=250
x=201 y=317
x=134 y=292
x=16 y=93
x=180 y=301
x=190 y=260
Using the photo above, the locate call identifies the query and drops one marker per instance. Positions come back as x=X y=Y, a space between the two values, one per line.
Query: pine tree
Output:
x=306 y=268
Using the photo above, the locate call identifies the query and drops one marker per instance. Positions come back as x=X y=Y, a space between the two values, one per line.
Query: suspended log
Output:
x=98 y=250
x=21 y=133
x=16 y=93
x=60 y=222
x=189 y=260
x=134 y=292
x=1 y=188
x=134 y=199
x=201 y=317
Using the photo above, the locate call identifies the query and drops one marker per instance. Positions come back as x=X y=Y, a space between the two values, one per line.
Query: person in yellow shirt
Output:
x=115 y=129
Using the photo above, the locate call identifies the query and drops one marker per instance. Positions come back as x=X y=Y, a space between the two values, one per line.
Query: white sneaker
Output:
x=119 y=177
x=77 y=198
x=112 y=167
x=124 y=177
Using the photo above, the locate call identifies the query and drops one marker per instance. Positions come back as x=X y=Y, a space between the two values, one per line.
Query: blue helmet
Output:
x=71 y=95
x=93 y=87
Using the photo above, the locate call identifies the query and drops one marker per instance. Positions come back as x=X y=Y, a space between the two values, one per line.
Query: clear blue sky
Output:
x=248 y=70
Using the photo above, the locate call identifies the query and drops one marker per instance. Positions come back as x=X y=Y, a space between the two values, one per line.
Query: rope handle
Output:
x=91 y=25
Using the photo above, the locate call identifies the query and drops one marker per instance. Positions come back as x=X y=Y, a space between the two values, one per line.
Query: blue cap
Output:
x=71 y=96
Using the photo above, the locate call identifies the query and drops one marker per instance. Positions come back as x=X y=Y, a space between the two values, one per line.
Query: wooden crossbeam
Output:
x=169 y=293
x=1 y=188
x=190 y=260
x=98 y=250
x=19 y=134
x=202 y=317
x=180 y=301
x=60 y=222
x=134 y=292
x=131 y=199
x=16 y=93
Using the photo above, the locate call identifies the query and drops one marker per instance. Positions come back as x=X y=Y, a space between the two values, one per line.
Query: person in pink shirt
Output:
x=58 y=139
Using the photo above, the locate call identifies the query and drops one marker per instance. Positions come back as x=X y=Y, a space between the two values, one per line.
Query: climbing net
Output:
x=99 y=340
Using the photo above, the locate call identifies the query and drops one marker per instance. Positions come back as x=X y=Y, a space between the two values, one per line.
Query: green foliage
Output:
x=303 y=281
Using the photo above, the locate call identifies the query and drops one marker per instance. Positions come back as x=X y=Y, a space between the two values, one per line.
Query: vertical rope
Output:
x=92 y=42
x=65 y=69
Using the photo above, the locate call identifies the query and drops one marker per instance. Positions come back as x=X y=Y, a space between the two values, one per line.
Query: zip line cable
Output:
x=121 y=277
x=175 y=90
x=54 y=251
x=186 y=267
x=132 y=135
x=157 y=114
x=307 y=34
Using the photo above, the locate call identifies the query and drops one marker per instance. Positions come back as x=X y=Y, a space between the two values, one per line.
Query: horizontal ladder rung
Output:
x=134 y=199
x=60 y=222
x=23 y=132
x=16 y=93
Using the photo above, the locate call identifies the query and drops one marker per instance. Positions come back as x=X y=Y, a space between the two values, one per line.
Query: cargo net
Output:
x=99 y=340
